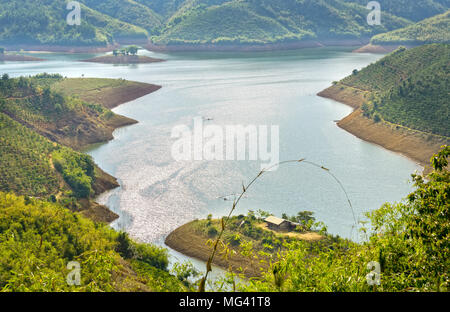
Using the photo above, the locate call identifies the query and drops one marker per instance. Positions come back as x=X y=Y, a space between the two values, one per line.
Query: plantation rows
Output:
x=410 y=88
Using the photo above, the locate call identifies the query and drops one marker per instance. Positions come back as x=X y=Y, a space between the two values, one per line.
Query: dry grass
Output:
x=307 y=236
x=107 y=92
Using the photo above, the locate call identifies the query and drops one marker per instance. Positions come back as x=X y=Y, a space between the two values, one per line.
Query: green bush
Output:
x=211 y=231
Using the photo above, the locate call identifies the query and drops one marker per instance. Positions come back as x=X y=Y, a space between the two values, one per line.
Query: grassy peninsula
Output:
x=248 y=247
x=401 y=101
x=44 y=120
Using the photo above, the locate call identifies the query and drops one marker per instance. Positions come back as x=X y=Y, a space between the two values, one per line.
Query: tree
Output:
x=365 y=109
x=133 y=50
x=376 y=117
x=413 y=237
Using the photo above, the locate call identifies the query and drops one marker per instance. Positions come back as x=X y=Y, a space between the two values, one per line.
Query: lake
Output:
x=158 y=194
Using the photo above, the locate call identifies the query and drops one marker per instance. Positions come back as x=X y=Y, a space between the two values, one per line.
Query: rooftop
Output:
x=274 y=220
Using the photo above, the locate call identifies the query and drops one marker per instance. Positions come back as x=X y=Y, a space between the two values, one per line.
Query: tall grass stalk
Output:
x=245 y=188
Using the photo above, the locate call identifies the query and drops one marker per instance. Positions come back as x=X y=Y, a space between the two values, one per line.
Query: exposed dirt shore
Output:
x=190 y=47
x=89 y=130
x=113 y=97
x=255 y=47
x=382 y=49
x=189 y=242
x=417 y=145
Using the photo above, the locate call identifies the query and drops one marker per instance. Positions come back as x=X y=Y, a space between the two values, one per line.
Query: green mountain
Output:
x=407 y=87
x=129 y=11
x=165 y=8
x=411 y=10
x=270 y=21
x=431 y=30
x=43 y=22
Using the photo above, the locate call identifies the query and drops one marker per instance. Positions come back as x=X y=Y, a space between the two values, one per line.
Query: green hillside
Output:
x=44 y=22
x=68 y=120
x=38 y=124
x=204 y=21
x=25 y=161
x=128 y=11
x=38 y=240
x=408 y=87
x=270 y=21
x=411 y=10
x=165 y=8
x=35 y=166
x=432 y=30
x=43 y=231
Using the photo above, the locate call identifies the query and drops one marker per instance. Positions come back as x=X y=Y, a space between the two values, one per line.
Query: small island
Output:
x=125 y=56
x=17 y=57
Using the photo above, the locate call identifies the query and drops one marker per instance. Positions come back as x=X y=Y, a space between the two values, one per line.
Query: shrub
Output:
x=211 y=231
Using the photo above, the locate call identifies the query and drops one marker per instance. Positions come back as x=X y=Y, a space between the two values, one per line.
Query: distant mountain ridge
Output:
x=435 y=29
x=196 y=22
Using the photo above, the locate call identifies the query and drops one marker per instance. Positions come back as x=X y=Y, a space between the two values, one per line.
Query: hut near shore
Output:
x=278 y=224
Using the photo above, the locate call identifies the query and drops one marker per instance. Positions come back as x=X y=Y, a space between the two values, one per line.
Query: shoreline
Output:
x=186 y=241
x=7 y=57
x=40 y=48
x=298 y=45
x=416 y=145
x=109 y=98
x=186 y=47
x=104 y=181
x=380 y=49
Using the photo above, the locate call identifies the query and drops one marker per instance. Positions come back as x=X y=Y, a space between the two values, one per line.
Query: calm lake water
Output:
x=158 y=194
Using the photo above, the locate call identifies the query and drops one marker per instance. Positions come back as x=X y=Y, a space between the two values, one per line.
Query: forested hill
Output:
x=104 y=22
x=411 y=10
x=431 y=30
x=41 y=120
x=39 y=239
x=270 y=21
x=44 y=22
x=407 y=87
